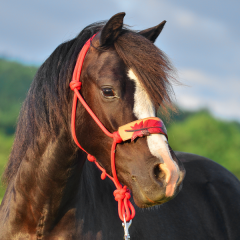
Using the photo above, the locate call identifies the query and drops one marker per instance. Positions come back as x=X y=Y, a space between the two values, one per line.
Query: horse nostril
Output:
x=133 y=178
x=158 y=173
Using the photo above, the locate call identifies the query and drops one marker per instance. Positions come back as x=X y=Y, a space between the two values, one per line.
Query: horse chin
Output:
x=143 y=199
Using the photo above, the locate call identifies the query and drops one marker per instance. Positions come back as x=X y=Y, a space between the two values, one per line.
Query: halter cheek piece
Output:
x=139 y=128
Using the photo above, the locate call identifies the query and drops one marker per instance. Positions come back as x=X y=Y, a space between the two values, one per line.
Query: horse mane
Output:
x=45 y=108
x=44 y=111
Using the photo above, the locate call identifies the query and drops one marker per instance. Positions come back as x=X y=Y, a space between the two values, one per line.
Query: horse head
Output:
x=125 y=78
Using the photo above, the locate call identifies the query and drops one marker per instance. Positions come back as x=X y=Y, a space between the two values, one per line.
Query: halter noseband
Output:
x=131 y=131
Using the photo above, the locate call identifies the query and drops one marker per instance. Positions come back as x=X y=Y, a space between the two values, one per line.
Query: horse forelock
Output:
x=150 y=65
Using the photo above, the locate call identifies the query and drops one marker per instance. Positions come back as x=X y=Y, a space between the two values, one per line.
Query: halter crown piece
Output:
x=131 y=131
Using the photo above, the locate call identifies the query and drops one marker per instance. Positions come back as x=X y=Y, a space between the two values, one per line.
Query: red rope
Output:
x=122 y=194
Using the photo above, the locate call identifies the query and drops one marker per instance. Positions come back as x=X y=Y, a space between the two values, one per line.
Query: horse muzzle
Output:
x=155 y=182
x=154 y=128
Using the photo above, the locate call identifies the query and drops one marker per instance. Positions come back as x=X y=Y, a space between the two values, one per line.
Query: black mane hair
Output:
x=46 y=107
x=47 y=101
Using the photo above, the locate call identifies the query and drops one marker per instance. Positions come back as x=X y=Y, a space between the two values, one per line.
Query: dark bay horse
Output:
x=53 y=193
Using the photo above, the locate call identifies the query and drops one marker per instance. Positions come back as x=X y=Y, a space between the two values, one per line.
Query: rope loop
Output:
x=125 y=207
x=75 y=84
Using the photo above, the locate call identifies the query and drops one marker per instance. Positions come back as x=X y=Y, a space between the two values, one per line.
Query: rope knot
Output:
x=116 y=137
x=104 y=174
x=122 y=193
x=75 y=84
x=91 y=158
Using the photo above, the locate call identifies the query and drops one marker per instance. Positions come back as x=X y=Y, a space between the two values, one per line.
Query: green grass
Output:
x=5 y=148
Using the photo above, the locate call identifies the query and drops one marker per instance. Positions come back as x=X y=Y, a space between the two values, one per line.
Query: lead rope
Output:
x=122 y=195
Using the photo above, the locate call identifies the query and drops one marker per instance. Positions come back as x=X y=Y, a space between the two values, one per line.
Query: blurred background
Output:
x=202 y=39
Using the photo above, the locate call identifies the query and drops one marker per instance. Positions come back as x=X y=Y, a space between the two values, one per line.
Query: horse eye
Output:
x=108 y=92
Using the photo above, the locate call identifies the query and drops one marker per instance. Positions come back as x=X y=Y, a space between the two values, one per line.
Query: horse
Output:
x=53 y=192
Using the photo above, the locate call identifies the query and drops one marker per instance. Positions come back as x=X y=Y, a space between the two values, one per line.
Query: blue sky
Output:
x=202 y=38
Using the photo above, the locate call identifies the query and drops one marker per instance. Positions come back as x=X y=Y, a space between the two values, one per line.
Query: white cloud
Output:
x=217 y=93
x=195 y=22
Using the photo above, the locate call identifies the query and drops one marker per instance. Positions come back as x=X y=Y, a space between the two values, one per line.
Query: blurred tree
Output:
x=202 y=134
x=15 y=80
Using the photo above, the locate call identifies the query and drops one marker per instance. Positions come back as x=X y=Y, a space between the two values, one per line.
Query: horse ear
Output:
x=112 y=29
x=152 y=33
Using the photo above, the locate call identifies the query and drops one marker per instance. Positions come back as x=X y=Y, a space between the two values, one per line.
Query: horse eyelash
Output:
x=111 y=97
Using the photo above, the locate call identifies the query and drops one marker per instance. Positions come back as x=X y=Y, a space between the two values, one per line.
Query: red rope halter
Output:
x=131 y=130
x=122 y=194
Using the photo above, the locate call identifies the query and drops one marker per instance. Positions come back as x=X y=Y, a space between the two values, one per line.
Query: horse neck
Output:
x=46 y=181
x=96 y=205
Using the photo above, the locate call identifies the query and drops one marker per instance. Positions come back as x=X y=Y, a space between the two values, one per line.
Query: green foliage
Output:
x=202 y=134
x=15 y=80
x=5 y=148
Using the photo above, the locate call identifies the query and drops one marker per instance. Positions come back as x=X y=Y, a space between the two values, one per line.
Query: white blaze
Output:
x=144 y=108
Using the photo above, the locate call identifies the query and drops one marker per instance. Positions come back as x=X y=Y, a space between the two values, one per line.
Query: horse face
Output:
x=146 y=165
